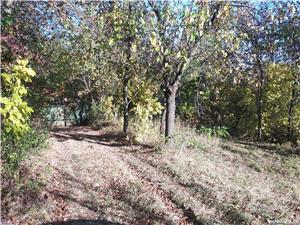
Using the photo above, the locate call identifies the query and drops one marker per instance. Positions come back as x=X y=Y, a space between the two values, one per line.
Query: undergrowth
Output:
x=16 y=178
x=14 y=151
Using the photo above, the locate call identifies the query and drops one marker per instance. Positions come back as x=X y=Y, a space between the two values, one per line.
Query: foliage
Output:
x=278 y=95
x=214 y=131
x=145 y=107
x=15 y=111
x=103 y=111
x=17 y=137
x=219 y=63
x=15 y=151
x=187 y=111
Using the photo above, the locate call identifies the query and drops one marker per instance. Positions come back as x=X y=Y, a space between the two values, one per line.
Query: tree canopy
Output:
x=214 y=64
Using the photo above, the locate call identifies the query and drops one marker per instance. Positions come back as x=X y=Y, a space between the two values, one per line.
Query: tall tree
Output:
x=177 y=30
x=287 y=30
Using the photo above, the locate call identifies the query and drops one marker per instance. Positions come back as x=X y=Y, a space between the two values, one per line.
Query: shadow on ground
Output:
x=280 y=150
x=117 y=199
x=112 y=138
x=82 y=222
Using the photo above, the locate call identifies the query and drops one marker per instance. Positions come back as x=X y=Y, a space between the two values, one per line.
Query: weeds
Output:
x=220 y=132
x=17 y=181
x=211 y=181
x=255 y=166
x=15 y=151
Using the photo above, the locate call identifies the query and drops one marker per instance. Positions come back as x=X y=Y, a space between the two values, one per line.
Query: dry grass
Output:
x=238 y=184
x=102 y=176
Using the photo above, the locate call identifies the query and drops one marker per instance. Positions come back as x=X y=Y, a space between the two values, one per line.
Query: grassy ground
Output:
x=96 y=177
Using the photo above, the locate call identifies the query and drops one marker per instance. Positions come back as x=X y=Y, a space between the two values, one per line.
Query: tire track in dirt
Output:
x=172 y=209
x=143 y=166
x=164 y=196
x=171 y=178
x=201 y=192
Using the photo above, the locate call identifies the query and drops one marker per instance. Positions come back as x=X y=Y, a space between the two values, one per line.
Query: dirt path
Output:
x=89 y=177
x=94 y=178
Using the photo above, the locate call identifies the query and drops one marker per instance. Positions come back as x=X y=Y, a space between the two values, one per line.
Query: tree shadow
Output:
x=20 y=192
x=113 y=139
x=110 y=138
x=279 y=150
x=208 y=197
x=82 y=222
x=142 y=215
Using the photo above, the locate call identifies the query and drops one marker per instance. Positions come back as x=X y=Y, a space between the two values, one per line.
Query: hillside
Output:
x=91 y=176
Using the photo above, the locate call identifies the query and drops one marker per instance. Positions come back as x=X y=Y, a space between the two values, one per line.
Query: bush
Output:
x=14 y=110
x=188 y=138
x=214 y=131
x=145 y=107
x=14 y=151
x=17 y=183
x=103 y=111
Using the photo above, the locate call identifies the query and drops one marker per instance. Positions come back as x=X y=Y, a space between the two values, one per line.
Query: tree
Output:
x=128 y=50
x=14 y=110
x=212 y=59
x=177 y=30
x=288 y=52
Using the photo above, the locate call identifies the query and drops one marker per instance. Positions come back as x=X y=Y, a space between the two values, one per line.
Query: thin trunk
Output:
x=65 y=116
x=126 y=81
x=163 y=122
x=62 y=102
x=125 y=95
x=75 y=116
x=125 y=91
x=259 y=102
x=126 y=106
x=92 y=98
x=259 y=113
x=81 y=115
x=290 y=113
x=170 y=111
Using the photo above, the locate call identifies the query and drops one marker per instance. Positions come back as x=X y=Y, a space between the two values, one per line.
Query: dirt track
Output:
x=91 y=177
x=95 y=178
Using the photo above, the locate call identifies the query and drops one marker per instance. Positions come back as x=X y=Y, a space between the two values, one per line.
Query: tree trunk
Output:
x=81 y=115
x=163 y=122
x=75 y=116
x=92 y=98
x=259 y=101
x=126 y=106
x=64 y=112
x=65 y=116
x=290 y=112
x=170 y=95
x=259 y=113
x=126 y=82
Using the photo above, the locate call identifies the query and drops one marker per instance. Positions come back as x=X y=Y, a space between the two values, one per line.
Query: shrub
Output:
x=17 y=137
x=188 y=138
x=187 y=111
x=103 y=111
x=214 y=131
x=14 y=110
x=14 y=151
x=145 y=107
x=17 y=182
